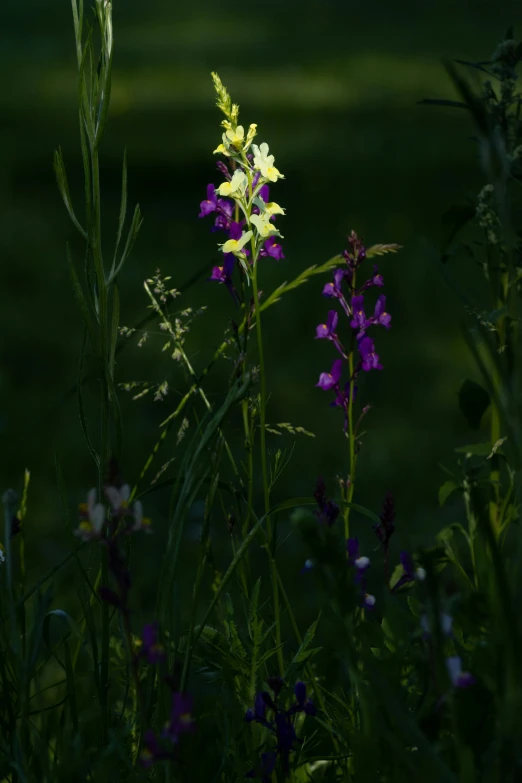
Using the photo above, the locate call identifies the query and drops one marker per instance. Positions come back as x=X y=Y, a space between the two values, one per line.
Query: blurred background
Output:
x=333 y=86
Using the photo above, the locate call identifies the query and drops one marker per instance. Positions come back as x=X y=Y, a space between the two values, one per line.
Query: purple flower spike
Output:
x=152 y=650
x=327 y=330
x=150 y=751
x=380 y=315
x=327 y=380
x=370 y=360
x=458 y=678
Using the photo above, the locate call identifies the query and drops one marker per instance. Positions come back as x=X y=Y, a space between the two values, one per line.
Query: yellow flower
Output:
x=220 y=149
x=250 y=136
x=235 y=246
x=265 y=228
x=236 y=187
x=265 y=162
x=235 y=137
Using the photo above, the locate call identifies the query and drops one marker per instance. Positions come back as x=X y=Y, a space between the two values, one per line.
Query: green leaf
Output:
x=474 y=400
x=446 y=490
x=123 y=209
x=63 y=187
x=381 y=250
x=443 y=102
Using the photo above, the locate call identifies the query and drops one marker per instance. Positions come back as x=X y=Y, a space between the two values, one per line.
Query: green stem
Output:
x=264 y=471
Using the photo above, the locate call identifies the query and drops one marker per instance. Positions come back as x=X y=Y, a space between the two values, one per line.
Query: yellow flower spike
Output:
x=235 y=246
x=271 y=208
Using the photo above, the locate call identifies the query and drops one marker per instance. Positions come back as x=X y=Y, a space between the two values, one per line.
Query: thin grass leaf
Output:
x=63 y=187
x=81 y=410
x=123 y=212
x=134 y=230
x=276 y=295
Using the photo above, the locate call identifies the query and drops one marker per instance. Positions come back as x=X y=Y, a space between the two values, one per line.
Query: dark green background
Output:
x=333 y=88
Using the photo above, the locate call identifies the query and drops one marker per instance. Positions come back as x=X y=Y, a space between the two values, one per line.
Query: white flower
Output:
x=236 y=186
x=446 y=623
x=369 y=601
x=362 y=562
x=118 y=498
x=92 y=526
x=140 y=522
x=265 y=162
x=234 y=137
x=2 y=555
x=420 y=574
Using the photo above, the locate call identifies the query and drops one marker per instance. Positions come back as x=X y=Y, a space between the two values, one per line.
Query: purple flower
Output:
x=327 y=330
x=410 y=573
x=258 y=714
x=370 y=360
x=360 y=563
x=180 y=717
x=152 y=650
x=286 y=737
x=223 y=274
x=334 y=289
x=458 y=678
x=375 y=280
x=359 y=320
x=272 y=248
x=328 y=509
x=327 y=380
x=304 y=704
x=380 y=315
x=210 y=203
x=150 y=751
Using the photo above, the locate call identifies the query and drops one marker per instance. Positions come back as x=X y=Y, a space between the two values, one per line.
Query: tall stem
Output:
x=264 y=472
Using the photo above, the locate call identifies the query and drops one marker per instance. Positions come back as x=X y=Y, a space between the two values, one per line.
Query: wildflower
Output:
x=214 y=204
x=151 y=649
x=370 y=360
x=380 y=315
x=140 y=522
x=265 y=162
x=258 y=714
x=236 y=246
x=328 y=509
x=327 y=380
x=119 y=498
x=272 y=248
x=334 y=290
x=359 y=320
x=93 y=517
x=150 y=750
x=303 y=702
x=361 y=563
x=180 y=717
x=458 y=678
x=327 y=330
x=263 y=225
x=368 y=601
x=236 y=187
x=410 y=573
x=223 y=274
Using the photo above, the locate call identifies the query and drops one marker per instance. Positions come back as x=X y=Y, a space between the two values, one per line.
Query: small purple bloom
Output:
x=180 y=716
x=376 y=280
x=223 y=274
x=458 y=678
x=327 y=380
x=210 y=203
x=370 y=360
x=359 y=320
x=360 y=563
x=334 y=289
x=150 y=751
x=410 y=573
x=380 y=315
x=304 y=704
x=152 y=650
x=272 y=248
x=327 y=330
